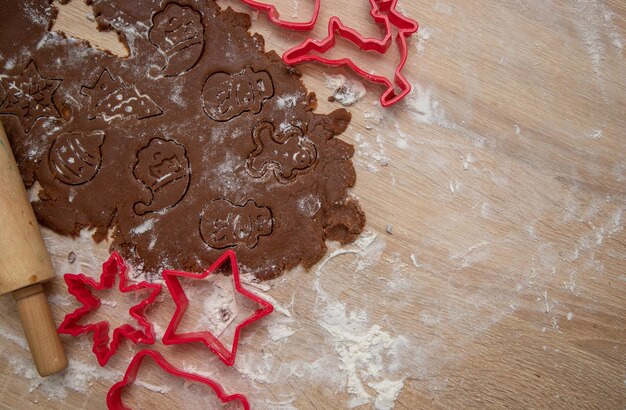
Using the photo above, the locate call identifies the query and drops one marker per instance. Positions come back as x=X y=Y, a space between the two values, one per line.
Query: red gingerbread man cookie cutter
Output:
x=114 y=396
x=78 y=285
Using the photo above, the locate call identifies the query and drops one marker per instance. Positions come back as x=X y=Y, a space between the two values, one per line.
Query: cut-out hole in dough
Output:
x=70 y=22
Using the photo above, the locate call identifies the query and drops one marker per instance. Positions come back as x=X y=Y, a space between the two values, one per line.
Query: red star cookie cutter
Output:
x=206 y=337
x=274 y=15
x=114 y=396
x=383 y=12
x=78 y=285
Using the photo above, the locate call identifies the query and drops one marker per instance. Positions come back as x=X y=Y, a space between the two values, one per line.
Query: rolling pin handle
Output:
x=40 y=330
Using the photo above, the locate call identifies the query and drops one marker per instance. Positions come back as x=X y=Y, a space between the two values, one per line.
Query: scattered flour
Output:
x=250 y=279
x=109 y=303
x=588 y=29
x=18 y=340
x=177 y=98
x=86 y=256
x=9 y=64
x=424 y=108
x=402 y=140
x=309 y=205
x=596 y=135
x=423 y=35
x=388 y=392
x=152 y=387
x=414 y=260
x=287 y=101
x=443 y=8
x=594 y=23
x=373 y=118
x=370 y=156
x=359 y=357
x=35 y=15
x=34 y=191
x=362 y=353
x=279 y=331
x=346 y=92
x=296 y=8
x=455 y=186
x=144 y=227
x=367 y=354
x=77 y=377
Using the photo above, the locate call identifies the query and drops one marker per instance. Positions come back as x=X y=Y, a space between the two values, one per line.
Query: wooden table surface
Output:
x=502 y=281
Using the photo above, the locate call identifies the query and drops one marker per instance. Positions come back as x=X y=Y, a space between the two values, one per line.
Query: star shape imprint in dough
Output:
x=207 y=338
x=29 y=96
x=82 y=288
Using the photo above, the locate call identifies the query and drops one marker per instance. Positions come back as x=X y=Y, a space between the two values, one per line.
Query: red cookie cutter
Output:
x=78 y=285
x=206 y=337
x=274 y=15
x=114 y=396
x=384 y=12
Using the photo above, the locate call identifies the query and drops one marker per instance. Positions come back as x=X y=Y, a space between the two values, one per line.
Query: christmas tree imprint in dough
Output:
x=111 y=98
x=163 y=168
x=226 y=96
x=178 y=33
x=75 y=157
x=29 y=96
x=224 y=224
x=286 y=153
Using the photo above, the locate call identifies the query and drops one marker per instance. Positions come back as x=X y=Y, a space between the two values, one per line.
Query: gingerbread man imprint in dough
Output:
x=287 y=153
x=226 y=96
x=163 y=168
x=178 y=33
x=224 y=224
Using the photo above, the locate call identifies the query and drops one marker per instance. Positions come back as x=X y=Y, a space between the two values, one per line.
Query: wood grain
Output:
x=40 y=330
x=503 y=177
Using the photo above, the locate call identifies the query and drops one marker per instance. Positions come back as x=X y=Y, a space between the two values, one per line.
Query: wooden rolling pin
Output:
x=25 y=264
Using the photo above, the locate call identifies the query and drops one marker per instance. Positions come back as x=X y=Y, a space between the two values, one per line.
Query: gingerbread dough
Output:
x=199 y=141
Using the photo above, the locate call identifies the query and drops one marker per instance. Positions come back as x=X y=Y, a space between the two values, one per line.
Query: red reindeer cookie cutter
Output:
x=114 y=396
x=383 y=12
x=78 y=285
x=274 y=15
x=206 y=337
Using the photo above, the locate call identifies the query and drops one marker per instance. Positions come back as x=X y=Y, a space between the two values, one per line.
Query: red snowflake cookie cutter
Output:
x=114 y=396
x=206 y=337
x=78 y=285
x=274 y=15
x=383 y=12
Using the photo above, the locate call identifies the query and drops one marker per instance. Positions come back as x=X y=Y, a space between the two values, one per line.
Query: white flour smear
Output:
x=346 y=92
x=78 y=376
x=364 y=360
x=366 y=352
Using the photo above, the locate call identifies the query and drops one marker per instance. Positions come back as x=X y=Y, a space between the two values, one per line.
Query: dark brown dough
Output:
x=197 y=142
